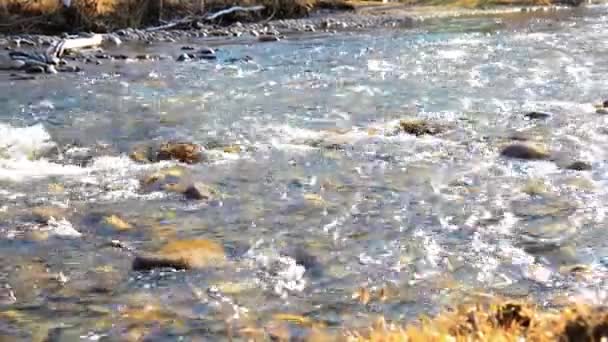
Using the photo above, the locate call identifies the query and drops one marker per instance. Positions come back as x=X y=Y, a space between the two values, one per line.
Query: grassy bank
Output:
x=104 y=15
x=52 y=16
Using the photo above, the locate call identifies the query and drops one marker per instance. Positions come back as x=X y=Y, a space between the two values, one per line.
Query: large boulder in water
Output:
x=420 y=127
x=189 y=153
x=183 y=254
x=524 y=151
x=184 y=152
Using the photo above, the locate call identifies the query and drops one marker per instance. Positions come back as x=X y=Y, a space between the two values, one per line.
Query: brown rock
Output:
x=189 y=153
x=117 y=223
x=199 y=191
x=183 y=254
x=159 y=179
x=44 y=214
x=524 y=151
x=141 y=154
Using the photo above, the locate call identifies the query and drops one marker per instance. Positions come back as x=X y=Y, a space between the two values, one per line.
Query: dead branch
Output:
x=234 y=9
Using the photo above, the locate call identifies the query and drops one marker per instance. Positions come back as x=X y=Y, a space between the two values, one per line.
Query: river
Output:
x=318 y=196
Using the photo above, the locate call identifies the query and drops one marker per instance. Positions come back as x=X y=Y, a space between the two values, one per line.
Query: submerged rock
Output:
x=184 y=57
x=141 y=154
x=35 y=69
x=196 y=191
x=419 y=127
x=524 y=151
x=183 y=254
x=268 y=38
x=188 y=153
x=158 y=180
x=205 y=50
x=199 y=191
x=538 y=115
x=117 y=223
x=579 y=166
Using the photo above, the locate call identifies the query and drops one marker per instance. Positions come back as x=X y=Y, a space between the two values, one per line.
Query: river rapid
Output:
x=317 y=193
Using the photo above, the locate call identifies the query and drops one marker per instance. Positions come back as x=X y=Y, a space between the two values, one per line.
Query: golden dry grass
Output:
x=95 y=14
x=495 y=322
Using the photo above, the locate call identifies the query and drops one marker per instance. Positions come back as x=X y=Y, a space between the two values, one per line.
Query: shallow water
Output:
x=308 y=215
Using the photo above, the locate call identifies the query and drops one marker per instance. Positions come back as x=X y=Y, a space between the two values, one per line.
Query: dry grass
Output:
x=497 y=322
x=101 y=15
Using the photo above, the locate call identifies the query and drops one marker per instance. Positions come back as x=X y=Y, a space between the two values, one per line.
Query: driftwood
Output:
x=190 y=22
x=234 y=9
x=15 y=60
x=186 y=21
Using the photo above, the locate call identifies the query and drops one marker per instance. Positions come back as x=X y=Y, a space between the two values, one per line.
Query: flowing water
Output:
x=319 y=200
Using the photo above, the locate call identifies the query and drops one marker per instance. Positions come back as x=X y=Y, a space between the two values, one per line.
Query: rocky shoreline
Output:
x=198 y=34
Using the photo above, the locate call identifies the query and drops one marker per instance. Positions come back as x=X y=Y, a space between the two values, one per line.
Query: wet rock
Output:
x=7 y=296
x=188 y=153
x=199 y=191
x=69 y=68
x=185 y=57
x=232 y=149
x=542 y=207
x=206 y=51
x=35 y=69
x=117 y=223
x=143 y=57
x=537 y=115
x=524 y=151
x=207 y=57
x=420 y=127
x=141 y=154
x=102 y=56
x=159 y=180
x=183 y=254
x=310 y=262
x=22 y=77
x=268 y=38
x=120 y=57
x=579 y=166
x=62 y=229
x=44 y=214
x=545 y=234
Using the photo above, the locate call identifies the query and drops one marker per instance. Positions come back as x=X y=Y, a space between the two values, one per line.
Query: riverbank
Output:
x=192 y=34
